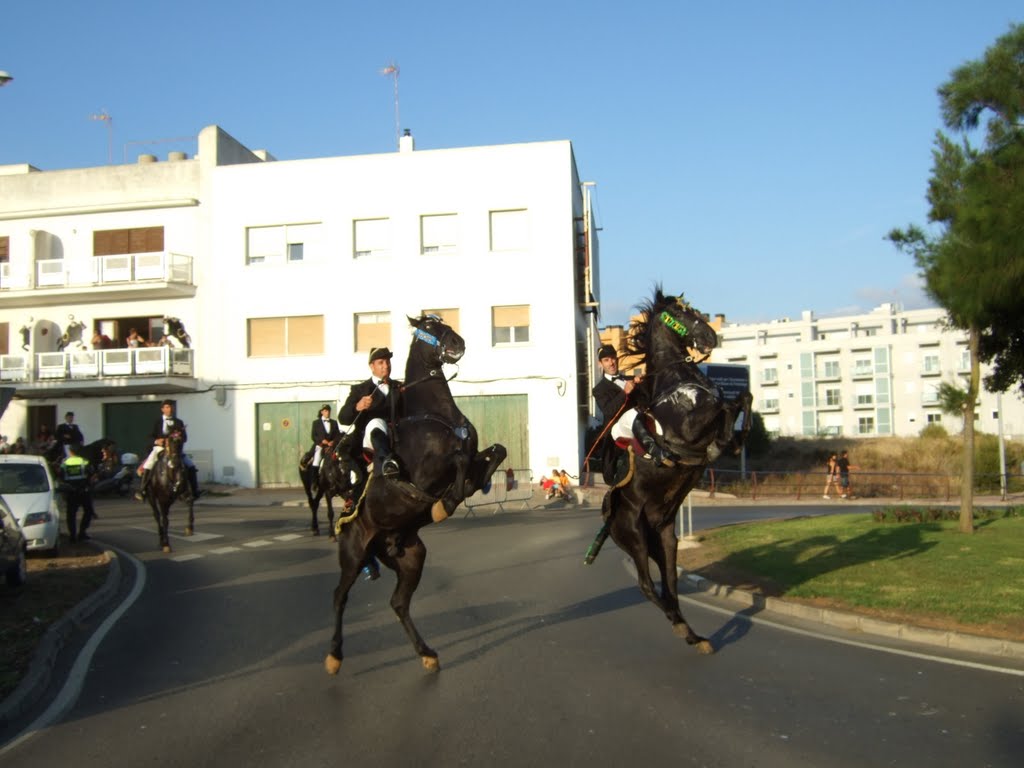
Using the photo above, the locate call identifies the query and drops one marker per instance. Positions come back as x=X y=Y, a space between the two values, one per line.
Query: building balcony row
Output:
x=131 y=371
x=51 y=282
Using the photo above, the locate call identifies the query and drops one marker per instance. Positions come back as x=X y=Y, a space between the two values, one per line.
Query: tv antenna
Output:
x=103 y=116
x=392 y=70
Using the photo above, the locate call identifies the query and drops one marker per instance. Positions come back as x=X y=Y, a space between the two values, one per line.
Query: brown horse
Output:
x=697 y=425
x=167 y=484
x=437 y=446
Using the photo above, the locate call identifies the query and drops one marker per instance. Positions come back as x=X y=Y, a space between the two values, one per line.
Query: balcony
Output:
x=130 y=371
x=53 y=282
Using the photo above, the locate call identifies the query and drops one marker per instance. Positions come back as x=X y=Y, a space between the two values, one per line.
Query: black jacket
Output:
x=382 y=408
x=68 y=434
x=610 y=398
x=319 y=433
x=176 y=424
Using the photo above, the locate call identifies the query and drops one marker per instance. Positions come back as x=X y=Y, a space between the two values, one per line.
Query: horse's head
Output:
x=438 y=342
x=670 y=327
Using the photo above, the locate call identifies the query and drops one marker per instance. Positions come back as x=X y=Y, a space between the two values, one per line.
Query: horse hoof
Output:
x=316 y=531
x=167 y=548
x=705 y=648
x=333 y=538
x=331 y=664
x=430 y=663
x=188 y=531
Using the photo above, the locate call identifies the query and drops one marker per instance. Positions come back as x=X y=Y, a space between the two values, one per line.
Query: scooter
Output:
x=123 y=478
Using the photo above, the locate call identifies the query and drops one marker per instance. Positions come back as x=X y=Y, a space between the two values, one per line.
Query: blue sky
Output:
x=750 y=154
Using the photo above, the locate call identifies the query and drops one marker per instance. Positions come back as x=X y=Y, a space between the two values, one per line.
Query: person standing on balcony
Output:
x=134 y=339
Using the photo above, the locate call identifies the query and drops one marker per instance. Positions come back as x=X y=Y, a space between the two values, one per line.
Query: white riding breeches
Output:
x=155 y=453
x=371 y=425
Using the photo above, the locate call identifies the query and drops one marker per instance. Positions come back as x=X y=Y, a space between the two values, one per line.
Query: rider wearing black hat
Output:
x=370 y=407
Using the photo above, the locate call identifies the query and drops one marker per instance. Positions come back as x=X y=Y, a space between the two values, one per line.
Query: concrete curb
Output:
x=851 y=622
x=40 y=672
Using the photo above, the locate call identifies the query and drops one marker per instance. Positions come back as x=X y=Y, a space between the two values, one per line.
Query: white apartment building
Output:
x=859 y=375
x=285 y=274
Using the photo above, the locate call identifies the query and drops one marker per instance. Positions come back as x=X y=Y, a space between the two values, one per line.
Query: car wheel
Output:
x=18 y=572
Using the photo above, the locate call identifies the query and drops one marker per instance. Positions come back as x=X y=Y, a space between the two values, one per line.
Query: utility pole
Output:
x=106 y=118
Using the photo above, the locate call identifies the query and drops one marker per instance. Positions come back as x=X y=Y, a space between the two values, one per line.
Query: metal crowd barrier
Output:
x=505 y=488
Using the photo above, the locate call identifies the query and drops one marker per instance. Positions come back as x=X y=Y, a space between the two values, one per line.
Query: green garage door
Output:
x=129 y=425
x=282 y=436
x=501 y=419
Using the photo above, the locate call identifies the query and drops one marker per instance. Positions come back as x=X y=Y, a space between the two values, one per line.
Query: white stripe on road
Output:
x=225 y=550
x=258 y=543
x=73 y=684
x=290 y=537
x=185 y=558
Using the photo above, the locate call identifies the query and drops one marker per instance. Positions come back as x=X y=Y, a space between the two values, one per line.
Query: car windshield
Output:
x=23 y=478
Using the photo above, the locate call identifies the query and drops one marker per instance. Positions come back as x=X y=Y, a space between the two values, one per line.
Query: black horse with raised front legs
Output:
x=168 y=483
x=696 y=426
x=437 y=448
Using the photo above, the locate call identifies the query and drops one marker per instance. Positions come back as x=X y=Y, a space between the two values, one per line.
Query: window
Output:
x=279 y=244
x=373 y=329
x=509 y=230
x=5 y=338
x=438 y=233
x=865 y=425
x=286 y=336
x=934 y=418
x=770 y=376
x=865 y=398
x=930 y=394
x=831 y=369
x=930 y=365
x=450 y=317
x=371 y=237
x=862 y=367
x=510 y=325
x=770 y=404
x=5 y=249
x=965 y=361
x=111 y=242
x=832 y=397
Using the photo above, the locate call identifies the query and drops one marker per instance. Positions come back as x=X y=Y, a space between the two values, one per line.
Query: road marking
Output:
x=289 y=537
x=185 y=558
x=194 y=537
x=258 y=543
x=854 y=643
x=225 y=550
x=72 y=687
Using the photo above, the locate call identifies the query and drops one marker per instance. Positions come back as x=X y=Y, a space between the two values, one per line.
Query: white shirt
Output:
x=381 y=385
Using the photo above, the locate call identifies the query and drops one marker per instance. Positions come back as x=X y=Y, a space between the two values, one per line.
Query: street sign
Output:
x=731 y=378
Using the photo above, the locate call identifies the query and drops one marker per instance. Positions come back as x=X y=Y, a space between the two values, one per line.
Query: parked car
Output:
x=13 y=547
x=29 y=490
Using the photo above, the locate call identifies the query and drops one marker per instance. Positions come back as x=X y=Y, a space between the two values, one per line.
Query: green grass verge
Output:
x=926 y=569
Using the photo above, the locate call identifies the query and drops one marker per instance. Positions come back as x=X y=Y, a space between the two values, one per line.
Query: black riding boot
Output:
x=597 y=543
x=140 y=495
x=382 y=453
x=658 y=454
x=193 y=481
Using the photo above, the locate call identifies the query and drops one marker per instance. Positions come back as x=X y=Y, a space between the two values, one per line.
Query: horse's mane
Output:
x=639 y=341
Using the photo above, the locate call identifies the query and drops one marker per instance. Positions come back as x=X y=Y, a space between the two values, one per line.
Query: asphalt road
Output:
x=216 y=658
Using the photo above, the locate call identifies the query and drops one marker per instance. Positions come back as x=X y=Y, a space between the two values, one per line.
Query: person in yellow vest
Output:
x=76 y=473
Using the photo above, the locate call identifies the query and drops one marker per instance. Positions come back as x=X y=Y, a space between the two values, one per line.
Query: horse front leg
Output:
x=351 y=553
x=160 y=515
x=666 y=556
x=483 y=466
x=409 y=566
x=190 y=528
x=330 y=518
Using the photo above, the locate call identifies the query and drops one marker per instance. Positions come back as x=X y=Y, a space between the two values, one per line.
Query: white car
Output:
x=29 y=490
x=12 y=548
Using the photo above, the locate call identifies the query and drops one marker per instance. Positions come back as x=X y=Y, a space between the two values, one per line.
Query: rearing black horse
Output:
x=437 y=446
x=696 y=426
x=167 y=484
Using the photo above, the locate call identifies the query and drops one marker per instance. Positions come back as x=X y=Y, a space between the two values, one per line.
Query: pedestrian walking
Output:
x=831 y=475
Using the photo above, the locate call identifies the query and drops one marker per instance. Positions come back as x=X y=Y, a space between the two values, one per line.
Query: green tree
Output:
x=974 y=265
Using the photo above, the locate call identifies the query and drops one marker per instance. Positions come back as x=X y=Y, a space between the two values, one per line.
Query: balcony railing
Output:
x=121 y=269
x=97 y=364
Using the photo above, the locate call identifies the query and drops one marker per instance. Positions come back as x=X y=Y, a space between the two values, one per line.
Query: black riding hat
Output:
x=607 y=350
x=380 y=353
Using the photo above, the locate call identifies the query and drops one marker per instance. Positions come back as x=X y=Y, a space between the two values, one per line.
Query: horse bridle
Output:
x=432 y=340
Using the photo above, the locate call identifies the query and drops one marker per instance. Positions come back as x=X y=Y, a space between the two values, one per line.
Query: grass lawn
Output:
x=927 y=573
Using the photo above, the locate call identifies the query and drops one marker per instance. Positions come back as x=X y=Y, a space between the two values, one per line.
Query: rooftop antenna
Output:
x=106 y=118
x=392 y=69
